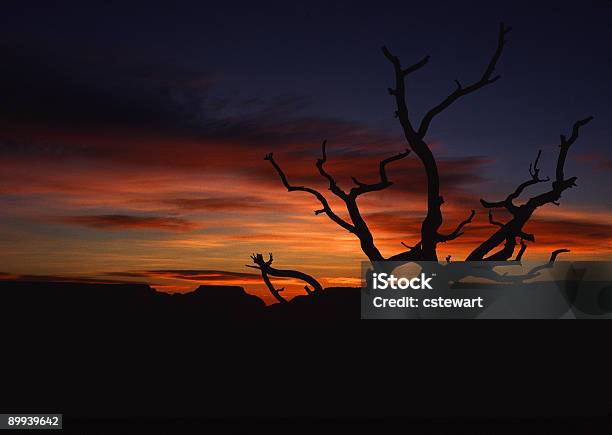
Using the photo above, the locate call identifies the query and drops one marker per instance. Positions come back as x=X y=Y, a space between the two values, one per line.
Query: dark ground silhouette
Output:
x=124 y=356
x=141 y=303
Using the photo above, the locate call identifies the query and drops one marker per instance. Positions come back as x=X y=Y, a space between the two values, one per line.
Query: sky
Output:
x=132 y=136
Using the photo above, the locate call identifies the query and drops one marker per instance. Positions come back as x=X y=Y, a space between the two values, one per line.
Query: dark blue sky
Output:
x=323 y=59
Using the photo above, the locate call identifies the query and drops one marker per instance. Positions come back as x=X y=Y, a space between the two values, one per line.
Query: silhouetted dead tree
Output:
x=415 y=135
x=267 y=270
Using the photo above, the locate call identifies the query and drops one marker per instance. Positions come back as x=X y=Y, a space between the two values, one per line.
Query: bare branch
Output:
x=333 y=186
x=399 y=92
x=561 y=183
x=555 y=254
x=357 y=224
x=507 y=203
x=397 y=64
x=551 y=262
x=514 y=228
x=534 y=171
x=457 y=232
x=326 y=207
x=496 y=204
x=433 y=220
x=504 y=253
x=411 y=247
x=566 y=144
x=414 y=253
x=521 y=251
x=266 y=269
x=492 y=222
x=461 y=91
x=525 y=236
x=384 y=181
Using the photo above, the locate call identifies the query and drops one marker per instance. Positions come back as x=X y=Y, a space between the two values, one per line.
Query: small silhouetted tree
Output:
x=500 y=246
x=265 y=266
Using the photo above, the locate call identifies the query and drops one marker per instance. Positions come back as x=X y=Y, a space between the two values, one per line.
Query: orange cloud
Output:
x=124 y=181
x=125 y=222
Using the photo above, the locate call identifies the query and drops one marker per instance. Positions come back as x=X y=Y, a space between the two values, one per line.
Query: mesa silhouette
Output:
x=140 y=303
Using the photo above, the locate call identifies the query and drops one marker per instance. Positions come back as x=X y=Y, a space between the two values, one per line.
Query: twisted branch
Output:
x=266 y=269
x=263 y=266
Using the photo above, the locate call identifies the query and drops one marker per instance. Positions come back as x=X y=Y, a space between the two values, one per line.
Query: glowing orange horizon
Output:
x=125 y=203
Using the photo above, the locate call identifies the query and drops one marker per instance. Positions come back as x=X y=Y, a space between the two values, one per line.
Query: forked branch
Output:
x=566 y=144
x=333 y=186
x=461 y=91
x=357 y=224
x=457 y=232
x=430 y=236
x=521 y=214
x=326 y=207
x=508 y=203
x=384 y=180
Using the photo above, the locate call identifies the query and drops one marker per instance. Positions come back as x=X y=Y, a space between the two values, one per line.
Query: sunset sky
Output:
x=132 y=137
